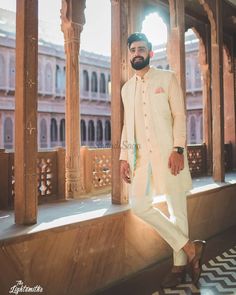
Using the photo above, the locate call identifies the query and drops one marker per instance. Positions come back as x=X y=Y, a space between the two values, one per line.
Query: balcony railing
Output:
x=95 y=171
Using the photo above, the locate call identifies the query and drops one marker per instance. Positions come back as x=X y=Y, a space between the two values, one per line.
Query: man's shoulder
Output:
x=128 y=83
x=164 y=73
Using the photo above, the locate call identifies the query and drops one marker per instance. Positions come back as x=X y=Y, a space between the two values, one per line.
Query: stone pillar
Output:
x=72 y=16
x=26 y=112
x=176 y=45
x=119 y=74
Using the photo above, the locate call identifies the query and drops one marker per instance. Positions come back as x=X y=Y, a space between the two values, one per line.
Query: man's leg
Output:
x=177 y=206
x=141 y=203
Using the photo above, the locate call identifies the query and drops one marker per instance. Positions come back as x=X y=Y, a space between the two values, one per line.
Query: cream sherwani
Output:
x=154 y=122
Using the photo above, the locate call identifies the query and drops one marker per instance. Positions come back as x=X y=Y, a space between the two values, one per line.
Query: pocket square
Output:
x=159 y=90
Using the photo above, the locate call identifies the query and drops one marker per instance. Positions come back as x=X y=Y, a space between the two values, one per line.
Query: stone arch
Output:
x=228 y=58
x=210 y=16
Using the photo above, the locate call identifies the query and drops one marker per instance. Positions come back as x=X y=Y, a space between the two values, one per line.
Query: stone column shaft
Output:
x=72 y=15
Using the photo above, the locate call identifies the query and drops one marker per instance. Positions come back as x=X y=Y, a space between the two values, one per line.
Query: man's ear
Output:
x=151 y=53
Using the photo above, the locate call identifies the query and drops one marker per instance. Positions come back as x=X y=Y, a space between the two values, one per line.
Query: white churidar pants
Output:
x=174 y=230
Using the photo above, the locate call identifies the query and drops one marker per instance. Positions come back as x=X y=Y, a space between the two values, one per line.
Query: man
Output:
x=153 y=156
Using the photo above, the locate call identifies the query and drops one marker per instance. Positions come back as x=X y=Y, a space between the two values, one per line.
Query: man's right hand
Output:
x=125 y=171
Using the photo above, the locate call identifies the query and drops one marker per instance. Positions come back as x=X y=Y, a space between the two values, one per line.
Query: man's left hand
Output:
x=176 y=163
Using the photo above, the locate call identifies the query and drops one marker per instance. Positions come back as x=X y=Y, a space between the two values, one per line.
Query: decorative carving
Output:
x=30 y=128
x=197 y=160
x=102 y=169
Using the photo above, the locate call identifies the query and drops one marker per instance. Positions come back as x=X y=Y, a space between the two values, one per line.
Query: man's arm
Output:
x=176 y=100
x=177 y=106
x=124 y=165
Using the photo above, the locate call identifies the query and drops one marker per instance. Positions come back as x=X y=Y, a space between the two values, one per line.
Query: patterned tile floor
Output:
x=218 y=277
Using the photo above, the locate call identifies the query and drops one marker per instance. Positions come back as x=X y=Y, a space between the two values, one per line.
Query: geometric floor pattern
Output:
x=218 y=278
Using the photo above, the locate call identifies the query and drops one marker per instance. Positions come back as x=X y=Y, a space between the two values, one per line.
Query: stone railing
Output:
x=95 y=171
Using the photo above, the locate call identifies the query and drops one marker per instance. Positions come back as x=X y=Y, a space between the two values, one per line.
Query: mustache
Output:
x=137 y=58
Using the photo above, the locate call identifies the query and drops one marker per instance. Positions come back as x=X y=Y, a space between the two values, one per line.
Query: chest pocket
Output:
x=160 y=104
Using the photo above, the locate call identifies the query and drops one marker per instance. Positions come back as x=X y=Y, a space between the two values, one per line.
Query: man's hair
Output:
x=138 y=37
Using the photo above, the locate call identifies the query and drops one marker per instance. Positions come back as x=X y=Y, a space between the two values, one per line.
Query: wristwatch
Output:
x=178 y=149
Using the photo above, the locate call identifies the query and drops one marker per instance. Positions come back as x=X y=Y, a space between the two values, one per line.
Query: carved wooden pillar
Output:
x=207 y=114
x=72 y=16
x=203 y=33
x=26 y=112
x=176 y=45
x=119 y=74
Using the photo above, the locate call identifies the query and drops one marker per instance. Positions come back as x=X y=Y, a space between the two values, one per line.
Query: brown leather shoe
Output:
x=195 y=271
x=173 y=279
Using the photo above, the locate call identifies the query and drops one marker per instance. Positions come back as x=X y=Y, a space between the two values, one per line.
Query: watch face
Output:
x=180 y=150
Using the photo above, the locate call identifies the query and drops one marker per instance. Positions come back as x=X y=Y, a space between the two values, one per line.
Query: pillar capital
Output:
x=72 y=24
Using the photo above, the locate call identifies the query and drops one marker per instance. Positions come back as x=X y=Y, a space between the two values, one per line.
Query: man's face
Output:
x=139 y=55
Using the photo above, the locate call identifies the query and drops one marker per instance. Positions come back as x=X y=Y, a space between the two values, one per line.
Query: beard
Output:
x=138 y=62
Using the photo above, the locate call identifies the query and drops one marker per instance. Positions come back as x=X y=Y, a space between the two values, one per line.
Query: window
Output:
x=94 y=82
x=91 y=134
x=8 y=133
x=53 y=129
x=12 y=73
x=48 y=78
x=201 y=128
x=99 y=131
x=85 y=81
x=192 y=129
x=2 y=71
x=62 y=130
x=102 y=83
x=58 y=79
x=109 y=85
x=43 y=133
x=198 y=82
x=64 y=79
x=40 y=86
x=83 y=131
x=107 y=131
x=188 y=74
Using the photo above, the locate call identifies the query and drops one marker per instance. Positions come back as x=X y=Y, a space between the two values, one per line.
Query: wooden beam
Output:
x=26 y=112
